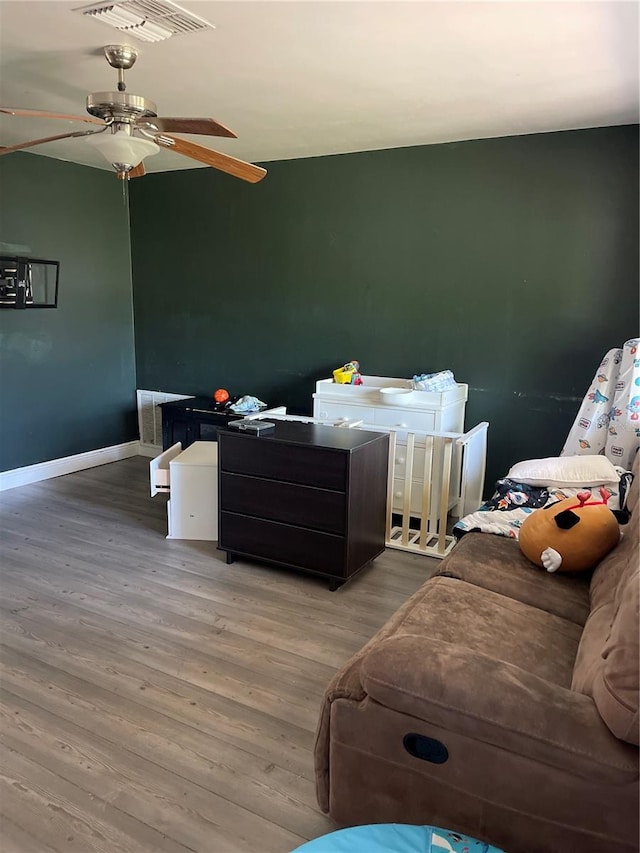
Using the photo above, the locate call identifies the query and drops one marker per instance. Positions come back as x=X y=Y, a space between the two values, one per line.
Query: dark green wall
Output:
x=68 y=374
x=512 y=261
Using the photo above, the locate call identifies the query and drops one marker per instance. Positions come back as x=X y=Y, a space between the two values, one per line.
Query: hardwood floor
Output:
x=152 y=697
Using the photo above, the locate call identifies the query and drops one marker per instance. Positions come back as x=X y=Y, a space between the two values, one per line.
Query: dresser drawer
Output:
x=415 y=507
x=290 y=463
x=400 y=460
x=387 y=416
x=319 y=509
x=160 y=471
x=283 y=543
x=334 y=411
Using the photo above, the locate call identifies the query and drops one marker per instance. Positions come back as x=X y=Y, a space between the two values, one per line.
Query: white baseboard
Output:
x=67 y=465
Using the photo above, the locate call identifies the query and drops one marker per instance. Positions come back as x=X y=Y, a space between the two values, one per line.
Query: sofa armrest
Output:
x=498 y=703
x=347 y=684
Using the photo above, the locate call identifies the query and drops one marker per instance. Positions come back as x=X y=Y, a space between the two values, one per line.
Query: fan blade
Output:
x=237 y=168
x=32 y=142
x=202 y=126
x=137 y=171
x=39 y=114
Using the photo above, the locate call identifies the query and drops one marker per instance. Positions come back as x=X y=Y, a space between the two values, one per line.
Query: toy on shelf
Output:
x=348 y=374
x=571 y=535
x=221 y=395
x=247 y=404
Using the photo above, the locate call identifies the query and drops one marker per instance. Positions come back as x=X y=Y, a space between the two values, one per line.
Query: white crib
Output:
x=443 y=470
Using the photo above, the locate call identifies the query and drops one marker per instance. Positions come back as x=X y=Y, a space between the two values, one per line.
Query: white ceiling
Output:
x=302 y=79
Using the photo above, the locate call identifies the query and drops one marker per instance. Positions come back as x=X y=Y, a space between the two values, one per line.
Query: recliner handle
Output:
x=425 y=748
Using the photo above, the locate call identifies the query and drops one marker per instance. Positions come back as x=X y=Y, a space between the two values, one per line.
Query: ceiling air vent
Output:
x=147 y=20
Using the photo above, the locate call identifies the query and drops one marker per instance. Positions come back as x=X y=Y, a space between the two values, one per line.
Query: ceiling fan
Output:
x=132 y=130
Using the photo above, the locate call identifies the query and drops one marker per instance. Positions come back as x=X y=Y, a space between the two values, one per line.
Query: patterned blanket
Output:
x=512 y=502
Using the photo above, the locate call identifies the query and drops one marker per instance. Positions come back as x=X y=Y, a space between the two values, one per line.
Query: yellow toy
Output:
x=571 y=535
x=348 y=374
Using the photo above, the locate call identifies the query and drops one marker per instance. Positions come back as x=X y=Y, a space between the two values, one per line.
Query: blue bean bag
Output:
x=395 y=838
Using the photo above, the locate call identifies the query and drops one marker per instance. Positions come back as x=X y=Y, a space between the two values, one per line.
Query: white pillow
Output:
x=565 y=472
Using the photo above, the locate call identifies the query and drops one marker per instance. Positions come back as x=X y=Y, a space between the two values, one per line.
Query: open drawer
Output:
x=159 y=474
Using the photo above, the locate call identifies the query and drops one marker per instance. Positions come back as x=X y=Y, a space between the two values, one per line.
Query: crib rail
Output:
x=450 y=460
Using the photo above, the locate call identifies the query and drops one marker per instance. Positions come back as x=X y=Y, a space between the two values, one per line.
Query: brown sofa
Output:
x=500 y=701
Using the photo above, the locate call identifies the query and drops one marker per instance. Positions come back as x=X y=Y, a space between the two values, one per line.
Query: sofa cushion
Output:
x=608 y=574
x=615 y=688
x=460 y=613
x=497 y=563
x=608 y=661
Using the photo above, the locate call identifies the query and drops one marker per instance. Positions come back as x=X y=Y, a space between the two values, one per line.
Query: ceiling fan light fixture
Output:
x=131 y=130
x=122 y=150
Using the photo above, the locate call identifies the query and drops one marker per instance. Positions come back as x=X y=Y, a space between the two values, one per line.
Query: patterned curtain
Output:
x=608 y=421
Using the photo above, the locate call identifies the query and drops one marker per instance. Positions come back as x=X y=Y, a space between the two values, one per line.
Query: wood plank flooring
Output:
x=152 y=698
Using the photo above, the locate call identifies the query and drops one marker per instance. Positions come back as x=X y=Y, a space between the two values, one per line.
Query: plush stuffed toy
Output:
x=571 y=535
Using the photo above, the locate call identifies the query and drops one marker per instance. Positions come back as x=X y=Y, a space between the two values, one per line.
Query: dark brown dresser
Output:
x=305 y=496
x=193 y=419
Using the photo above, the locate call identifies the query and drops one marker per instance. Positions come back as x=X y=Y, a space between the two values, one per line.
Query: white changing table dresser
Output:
x=190 y=477
x=436 y=411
